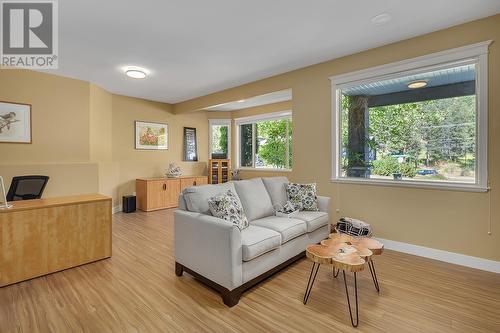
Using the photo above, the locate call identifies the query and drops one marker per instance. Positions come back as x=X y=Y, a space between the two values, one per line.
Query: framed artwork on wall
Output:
x=190 y=146
x=15 y=122
x=151 y=135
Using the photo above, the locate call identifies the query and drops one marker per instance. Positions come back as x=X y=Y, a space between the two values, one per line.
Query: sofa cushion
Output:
x=228 y=207
x=254 y=198
x=197 y=196
x=275 y=186
x=289 y=228
x=256 y=241
x=314 y=220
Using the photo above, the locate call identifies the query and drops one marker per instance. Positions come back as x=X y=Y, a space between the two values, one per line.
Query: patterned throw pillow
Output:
x=302 y=196
x=228 y=207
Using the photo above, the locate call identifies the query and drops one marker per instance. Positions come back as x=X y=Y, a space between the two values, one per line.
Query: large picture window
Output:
x=265 y=142
x=422 y=126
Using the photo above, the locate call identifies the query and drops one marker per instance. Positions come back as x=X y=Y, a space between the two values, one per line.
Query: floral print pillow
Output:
x=302 y=196
x=228 y=207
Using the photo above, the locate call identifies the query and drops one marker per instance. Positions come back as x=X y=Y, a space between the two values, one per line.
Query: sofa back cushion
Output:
x=276 y=187
x=196 y=197
x=254 y=198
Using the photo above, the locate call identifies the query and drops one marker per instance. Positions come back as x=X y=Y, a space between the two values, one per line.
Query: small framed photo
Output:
x=15 y=122
x=151 y=135
x=190 y=146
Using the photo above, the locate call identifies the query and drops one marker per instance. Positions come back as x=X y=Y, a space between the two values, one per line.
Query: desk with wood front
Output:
x=43 y=236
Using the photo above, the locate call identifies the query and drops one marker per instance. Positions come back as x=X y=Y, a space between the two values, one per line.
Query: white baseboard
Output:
x=450 y=257
x=117 y=209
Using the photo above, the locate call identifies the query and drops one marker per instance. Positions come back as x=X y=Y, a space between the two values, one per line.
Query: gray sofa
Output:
x=229 y=260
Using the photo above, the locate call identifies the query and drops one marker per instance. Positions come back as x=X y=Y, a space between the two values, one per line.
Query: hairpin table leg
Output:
x=336 y=272
x=311 y=282
x=371 y=265
x=349 y=300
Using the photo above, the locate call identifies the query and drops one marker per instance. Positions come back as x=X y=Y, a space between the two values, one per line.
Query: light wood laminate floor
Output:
x=137 y=291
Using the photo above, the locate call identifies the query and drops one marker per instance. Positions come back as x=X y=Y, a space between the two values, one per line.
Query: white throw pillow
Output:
x=228 y=207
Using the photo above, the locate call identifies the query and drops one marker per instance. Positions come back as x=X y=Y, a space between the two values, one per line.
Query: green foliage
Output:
x=389 y=165
x=246 y=145
x=272 y=147
x=408 y=170
x=223 y=139
x=431 y=133
x=431 y=130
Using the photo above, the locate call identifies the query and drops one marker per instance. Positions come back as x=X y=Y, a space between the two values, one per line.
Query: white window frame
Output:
x=478 y=53
x=253 y=120
x=219 y=122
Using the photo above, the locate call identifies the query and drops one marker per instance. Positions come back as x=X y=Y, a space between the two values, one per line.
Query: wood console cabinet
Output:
x=161 y=193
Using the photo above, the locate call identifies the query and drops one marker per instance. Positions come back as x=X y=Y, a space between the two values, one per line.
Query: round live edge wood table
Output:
x=372 y=244
x=342 y=256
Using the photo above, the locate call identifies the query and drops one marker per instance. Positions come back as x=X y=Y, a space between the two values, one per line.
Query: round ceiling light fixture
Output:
x=136 y=72
x=381 y=19
x=417 y=84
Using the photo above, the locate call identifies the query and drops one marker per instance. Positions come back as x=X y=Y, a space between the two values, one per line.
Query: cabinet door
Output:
x=157 y=194
x=201 y=181
x=172 y=192
x=187 y=182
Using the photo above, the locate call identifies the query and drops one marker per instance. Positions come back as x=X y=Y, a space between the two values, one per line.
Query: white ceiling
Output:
x=274 y=97
x=196 y=47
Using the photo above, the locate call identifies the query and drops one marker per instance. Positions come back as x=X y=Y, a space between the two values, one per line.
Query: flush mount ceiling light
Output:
x=417 y=84
x=381 y=19
x=136 y=72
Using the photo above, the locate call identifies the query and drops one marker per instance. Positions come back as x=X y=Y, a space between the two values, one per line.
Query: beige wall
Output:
x=147 y=163
x=449 y=220
x=83 y=136
x=60 y=117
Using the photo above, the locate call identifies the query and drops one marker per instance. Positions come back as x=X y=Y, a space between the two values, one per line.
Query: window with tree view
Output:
x=415 y=127
x=220 y=134
x=266 y=143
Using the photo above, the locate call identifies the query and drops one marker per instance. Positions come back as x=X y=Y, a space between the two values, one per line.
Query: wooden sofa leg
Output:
x=178 y=269
x=231 y=297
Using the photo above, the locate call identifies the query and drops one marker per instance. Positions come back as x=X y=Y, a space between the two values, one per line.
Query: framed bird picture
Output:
x=15 y=122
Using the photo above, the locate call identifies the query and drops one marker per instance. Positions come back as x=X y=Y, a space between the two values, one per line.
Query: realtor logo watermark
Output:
x=29 y=36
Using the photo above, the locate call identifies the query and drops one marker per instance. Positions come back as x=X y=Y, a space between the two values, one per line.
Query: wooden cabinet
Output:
x=43 y=236
x=160 y=193
x=193 y=181
x=219 y=171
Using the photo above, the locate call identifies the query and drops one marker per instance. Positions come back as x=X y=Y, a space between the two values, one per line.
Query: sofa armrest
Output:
x=324 y=204
x=209 y=246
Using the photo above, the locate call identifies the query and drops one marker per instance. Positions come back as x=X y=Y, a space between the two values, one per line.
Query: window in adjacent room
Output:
x=265 y=142
x=422 y=126
x=220 y=138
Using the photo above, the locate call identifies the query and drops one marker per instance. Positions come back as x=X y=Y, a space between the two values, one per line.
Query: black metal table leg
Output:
x=371 y=265
x=336 y=272
x=310 y=283
x=349 y=300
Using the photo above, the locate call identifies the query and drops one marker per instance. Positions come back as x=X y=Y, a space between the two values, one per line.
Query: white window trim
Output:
x=252 y=120
x=223 y=122
x=477 y=52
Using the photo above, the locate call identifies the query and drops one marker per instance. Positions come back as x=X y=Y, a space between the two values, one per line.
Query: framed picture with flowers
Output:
x=151 y=135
